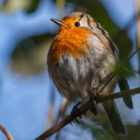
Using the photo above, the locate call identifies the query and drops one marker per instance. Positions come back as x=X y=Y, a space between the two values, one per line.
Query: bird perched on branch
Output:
x=81 y=56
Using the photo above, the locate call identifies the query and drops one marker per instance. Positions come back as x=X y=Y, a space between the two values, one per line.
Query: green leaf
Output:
x=33 y=6
x=122 y=69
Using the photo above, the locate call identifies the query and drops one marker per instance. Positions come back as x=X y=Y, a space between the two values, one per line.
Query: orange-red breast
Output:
x=80 y=57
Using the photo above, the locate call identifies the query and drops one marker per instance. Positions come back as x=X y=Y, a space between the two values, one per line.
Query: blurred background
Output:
x=29 y=102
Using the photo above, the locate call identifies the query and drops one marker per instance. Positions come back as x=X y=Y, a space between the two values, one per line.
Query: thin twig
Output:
x=83 y=109
x=6 y=133
x=137 y=50
x=51 y=109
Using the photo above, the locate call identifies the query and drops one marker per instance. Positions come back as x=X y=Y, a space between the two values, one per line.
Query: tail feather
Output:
x=114 y=117
x=123 y=84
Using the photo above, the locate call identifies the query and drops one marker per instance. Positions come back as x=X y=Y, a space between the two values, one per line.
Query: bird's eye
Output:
x=77 y=24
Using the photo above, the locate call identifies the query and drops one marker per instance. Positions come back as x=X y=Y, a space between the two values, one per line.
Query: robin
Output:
x=81 y=56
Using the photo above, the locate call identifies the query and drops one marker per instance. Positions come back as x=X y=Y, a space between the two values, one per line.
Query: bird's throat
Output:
x=73 y=42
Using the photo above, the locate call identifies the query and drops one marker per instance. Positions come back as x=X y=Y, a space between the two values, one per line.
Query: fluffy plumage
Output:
x=80 y=58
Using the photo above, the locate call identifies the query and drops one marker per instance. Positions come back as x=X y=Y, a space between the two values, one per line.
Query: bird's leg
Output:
x=75 y=111
x=93 y=96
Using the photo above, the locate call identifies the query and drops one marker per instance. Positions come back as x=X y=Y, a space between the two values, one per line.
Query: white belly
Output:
x=73 y=76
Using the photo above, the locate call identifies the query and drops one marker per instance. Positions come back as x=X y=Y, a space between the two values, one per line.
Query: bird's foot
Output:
x=75 y=112
x=93 y=97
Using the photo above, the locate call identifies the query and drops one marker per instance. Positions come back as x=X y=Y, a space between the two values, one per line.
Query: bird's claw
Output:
x=75 y=112
x=93 y=95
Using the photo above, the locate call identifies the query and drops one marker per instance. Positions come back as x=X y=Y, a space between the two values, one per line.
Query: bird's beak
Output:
x=58 y=22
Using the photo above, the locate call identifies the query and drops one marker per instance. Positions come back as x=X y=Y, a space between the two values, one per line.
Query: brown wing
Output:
x=102 y=34
x=112 y=45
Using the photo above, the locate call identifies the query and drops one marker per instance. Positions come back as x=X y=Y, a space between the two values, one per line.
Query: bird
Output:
x=80 y=57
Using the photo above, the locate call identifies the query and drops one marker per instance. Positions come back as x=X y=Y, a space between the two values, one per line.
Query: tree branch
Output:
x=83 y=109
x=6 y=133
